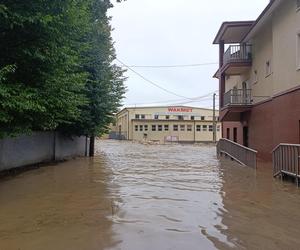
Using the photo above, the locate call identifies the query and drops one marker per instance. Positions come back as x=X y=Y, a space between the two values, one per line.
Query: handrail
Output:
x=286 y=160
x=241 y=52
x=241 y=154
x=238 y=97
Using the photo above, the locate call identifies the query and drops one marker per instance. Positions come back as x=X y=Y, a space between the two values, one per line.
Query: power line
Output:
x=151 y=82
x=175 y=102
x=173 y=66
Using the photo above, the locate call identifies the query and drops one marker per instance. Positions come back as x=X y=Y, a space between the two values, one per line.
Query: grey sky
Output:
x=171 y=32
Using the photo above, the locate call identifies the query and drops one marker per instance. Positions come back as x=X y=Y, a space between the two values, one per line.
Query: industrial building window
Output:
x=143 y=116
x=202 y=118
x=204 y=127
x=268 y=68
x=146 y=127
x=136 y=128
x=180 y=117
x=218 y=128
x=189 y=127
x=192 y=118
x=211 y=128
x=153 y=127
x=137 y=116
x=198 y=128
x=167 y=117
x=166 y=127
x=156 y=117
x=182 y=127
x=141 y=127
x=159 y=127
x=175 y=127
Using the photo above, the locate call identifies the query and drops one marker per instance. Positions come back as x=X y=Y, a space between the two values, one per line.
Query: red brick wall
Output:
x=273 y=122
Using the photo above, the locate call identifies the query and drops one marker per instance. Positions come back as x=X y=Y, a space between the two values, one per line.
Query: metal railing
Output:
x=241 y=154
x=238 y=53
x=238 y=97
x=286 y=160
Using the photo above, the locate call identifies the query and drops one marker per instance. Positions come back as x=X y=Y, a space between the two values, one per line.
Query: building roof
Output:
x=233 y=32
x=242 y=31
x=153 y=107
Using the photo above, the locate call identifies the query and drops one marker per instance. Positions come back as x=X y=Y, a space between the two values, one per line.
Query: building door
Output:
x=228 y=133
x=235 y=134
x=246 y=136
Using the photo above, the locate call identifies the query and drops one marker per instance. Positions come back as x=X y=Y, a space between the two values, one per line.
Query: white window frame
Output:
x=298 y=51
x=166 y=127
x=175 y=127
x=198 y=128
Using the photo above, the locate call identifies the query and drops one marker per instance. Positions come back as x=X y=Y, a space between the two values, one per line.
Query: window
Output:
x=159 y=127
x=204 y=127
x=175 y=127
x=166 y=127
x=141 y=127
x=182 y=127
x=235 y=134
x=156 y=117
x=298 y=50
x=143 y=116
x=228 y=133
x=192 y=118
x=268 y=68
x=153 y=127
x=189 y=128
x=137 y=116
x=180 y=117
x=146 y=127
x=167 y=117
x=202 y=118
x=218 y=128
x=198 y=128
x=211 y=128
x=136 y=128
x=255 y=76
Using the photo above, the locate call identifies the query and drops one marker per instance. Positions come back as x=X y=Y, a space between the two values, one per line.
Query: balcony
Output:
x=238 y=97
x=237 y=59
x=236 y=102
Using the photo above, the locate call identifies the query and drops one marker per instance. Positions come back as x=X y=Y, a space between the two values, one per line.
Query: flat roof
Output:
x=171 y=106
x=233 y=32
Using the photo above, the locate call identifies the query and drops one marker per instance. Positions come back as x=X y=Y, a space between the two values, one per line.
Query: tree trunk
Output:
x=92 y=146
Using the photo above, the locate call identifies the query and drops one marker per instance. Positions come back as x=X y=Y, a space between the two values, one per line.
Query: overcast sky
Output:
x=173 y=32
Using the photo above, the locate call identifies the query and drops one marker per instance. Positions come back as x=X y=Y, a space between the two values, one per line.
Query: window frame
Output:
x=198 y=128
x=156 y=117
x=204 y=128
x=141 y=128
x=175 y=127
x=136 y=128
x=159 y=128
x=137 y=116
x=166 y=127
x=298 y=51
x=167 y=117
x=202 y=118
x=143 y=117
x=145 y=127
x=189 y=128
x=153 y=128
x=210 y=128
x=182 y=128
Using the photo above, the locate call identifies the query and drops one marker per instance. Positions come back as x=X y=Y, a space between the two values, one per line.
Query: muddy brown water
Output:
x=135 y=197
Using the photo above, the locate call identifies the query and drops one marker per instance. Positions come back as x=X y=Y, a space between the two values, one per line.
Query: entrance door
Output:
x=246 y=136
x=235 y=134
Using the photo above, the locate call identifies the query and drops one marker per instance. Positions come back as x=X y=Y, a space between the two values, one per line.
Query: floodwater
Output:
x=136 y=197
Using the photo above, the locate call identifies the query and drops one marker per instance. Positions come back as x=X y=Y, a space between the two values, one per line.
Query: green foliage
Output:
x=56 y=68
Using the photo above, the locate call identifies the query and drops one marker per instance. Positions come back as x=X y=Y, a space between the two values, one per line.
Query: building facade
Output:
x=167 y=124
x=259 y=78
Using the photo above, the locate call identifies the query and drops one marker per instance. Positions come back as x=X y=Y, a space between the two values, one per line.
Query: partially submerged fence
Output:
x=241 y=154
x=286 y=160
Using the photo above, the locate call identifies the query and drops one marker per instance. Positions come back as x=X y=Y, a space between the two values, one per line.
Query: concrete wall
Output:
x=38 y=148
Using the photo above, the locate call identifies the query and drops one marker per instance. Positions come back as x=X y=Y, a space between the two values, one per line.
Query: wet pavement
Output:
x=133 y=196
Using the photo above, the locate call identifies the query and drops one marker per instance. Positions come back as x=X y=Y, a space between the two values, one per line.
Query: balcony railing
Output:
x=238 y=53
x=286 y=161
x=241 y=154
x=238 y=97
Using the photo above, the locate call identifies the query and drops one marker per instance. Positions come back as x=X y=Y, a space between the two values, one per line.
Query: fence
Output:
x=243 y=155
x=286 y=160
x=38 y=148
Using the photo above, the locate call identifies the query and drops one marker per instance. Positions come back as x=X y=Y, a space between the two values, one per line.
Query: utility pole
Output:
x=214 y=119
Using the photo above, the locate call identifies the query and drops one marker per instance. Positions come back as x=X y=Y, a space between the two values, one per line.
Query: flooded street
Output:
x=137 y=197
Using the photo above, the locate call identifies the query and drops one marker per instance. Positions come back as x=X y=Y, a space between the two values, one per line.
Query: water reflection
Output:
x=59 y=207
x=141 y=197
